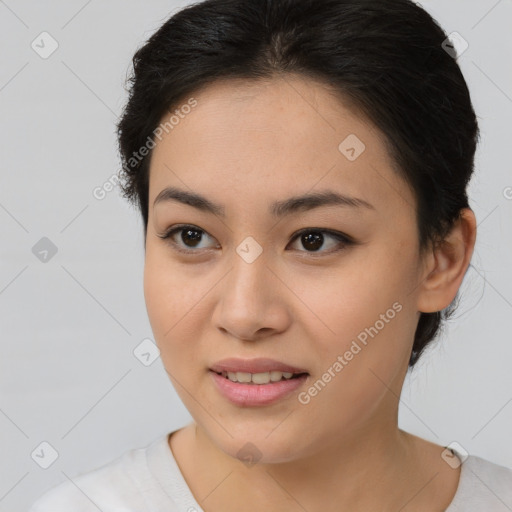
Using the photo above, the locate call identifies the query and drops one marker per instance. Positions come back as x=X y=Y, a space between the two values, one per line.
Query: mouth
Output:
x=258 y=367
x=252 y=394
x=260 y=377
x=256 y=382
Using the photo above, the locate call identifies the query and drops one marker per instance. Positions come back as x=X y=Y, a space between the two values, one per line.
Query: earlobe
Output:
x=448 y=264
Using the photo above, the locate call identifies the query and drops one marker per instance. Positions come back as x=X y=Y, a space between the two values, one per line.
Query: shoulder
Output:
x=483 y=485
x=113 y=486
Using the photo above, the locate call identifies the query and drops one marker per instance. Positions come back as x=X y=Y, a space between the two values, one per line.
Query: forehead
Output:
x=275 y=138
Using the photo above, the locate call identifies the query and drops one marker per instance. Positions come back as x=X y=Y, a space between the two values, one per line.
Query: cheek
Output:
x=357 y=366
x=367 y=317
x=159 y=292
x=170 y=289
x=353 y=294
x=176 y=299
x=166 y=294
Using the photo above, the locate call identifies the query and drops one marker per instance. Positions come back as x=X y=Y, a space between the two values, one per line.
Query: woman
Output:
x=301 y=169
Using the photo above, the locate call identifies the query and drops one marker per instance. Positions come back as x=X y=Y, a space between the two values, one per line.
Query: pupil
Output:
x=196 y=238
x=313 y=239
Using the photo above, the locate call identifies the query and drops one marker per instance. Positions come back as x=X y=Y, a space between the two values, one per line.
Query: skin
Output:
x=245 y=145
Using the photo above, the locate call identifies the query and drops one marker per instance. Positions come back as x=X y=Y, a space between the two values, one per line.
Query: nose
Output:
x=252 y=301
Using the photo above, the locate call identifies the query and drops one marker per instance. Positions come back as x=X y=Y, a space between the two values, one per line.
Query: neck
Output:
x=368 y=470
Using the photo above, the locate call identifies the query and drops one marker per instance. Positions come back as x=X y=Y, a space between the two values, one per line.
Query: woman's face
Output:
x=248 y=286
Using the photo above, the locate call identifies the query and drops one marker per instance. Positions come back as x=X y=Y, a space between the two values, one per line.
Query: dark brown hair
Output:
x=386 y=57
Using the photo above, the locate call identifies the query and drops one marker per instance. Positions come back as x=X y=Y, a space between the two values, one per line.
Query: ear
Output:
x=446 y=265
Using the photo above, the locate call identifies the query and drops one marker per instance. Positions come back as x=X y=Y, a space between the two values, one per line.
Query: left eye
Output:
x=312 y=239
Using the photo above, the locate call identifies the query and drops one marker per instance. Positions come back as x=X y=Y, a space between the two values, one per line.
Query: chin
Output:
x=254 y=445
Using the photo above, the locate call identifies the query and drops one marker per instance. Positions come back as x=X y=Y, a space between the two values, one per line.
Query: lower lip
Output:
x=256 y=394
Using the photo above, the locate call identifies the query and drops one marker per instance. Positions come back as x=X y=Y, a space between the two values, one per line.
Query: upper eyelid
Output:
x=181 y=227
x=169 y=233
x=341 y=237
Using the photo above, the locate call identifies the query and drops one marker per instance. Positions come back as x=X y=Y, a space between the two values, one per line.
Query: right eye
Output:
x=189 y=234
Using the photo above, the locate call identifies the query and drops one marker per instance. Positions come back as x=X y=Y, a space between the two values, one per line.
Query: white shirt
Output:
x=149 y=480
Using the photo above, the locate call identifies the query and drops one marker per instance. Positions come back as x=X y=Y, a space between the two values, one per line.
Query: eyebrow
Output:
x=277 y=209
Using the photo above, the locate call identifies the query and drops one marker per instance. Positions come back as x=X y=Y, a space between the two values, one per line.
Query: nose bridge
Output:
x=249 y=304
x=249 y=275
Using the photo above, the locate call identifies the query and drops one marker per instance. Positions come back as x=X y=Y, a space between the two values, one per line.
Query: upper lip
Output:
x=258 y=365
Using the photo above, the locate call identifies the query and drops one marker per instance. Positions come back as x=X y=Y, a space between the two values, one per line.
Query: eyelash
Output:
x=343 y=239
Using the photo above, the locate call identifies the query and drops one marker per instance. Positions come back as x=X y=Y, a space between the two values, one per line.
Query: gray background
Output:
x=69 y=326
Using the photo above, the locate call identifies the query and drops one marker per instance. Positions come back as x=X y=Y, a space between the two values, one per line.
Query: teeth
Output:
x=257 y=378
